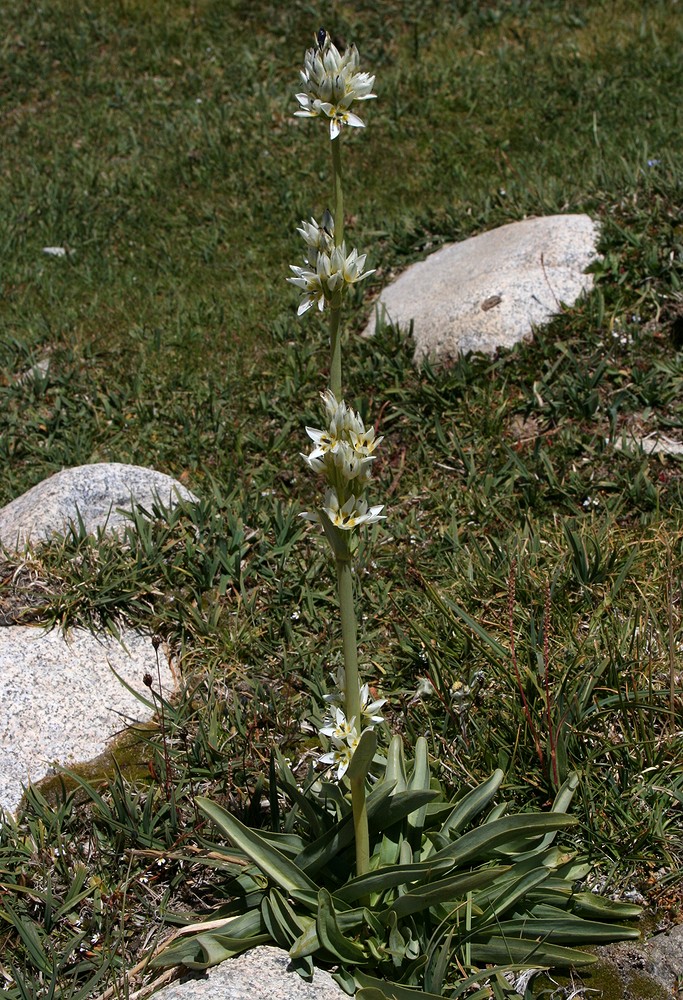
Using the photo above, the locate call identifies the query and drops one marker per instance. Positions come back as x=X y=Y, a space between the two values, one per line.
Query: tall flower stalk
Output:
x=343 y=453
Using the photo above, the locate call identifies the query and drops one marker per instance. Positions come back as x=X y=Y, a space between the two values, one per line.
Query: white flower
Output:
x=318 y=238
x=333 y=273
x=352 y=513
x=346 y=270
x=339 y=756
x=331 y=84
x=343 y=454
x=343 y=737
x=350 y=464
x=339 y=678
x=369 y=709
x=312 y=283
x=339 y=728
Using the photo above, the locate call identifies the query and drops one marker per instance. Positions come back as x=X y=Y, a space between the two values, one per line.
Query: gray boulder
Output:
x=259 y=974
x=490 y=291
x=61 y=702
x=631 y=970
x=97 y=493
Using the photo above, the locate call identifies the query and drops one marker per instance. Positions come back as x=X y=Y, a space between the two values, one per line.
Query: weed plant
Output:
x=158 y=149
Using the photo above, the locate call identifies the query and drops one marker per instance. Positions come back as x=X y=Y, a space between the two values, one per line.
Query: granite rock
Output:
x=491 y=290
x=99 y=494
x=61 y=702
x=260 y=974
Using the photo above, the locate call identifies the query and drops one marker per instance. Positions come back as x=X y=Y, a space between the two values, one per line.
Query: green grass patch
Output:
x=522 y=603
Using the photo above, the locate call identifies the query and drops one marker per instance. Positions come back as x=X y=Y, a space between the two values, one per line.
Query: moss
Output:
x=612 y=981
x=129 y=753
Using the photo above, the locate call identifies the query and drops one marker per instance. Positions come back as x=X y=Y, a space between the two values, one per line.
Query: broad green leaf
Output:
x=560 y=805
x=268 y=859
x=501 y=950
x=512 y=893
x=289 y=785
x=485 y=839
x=472 y=804
x=307 y=944
x=340 y=836
x=330 y=935
x=587 y=904
x=284 y=925
x=362 y=755
x=204 y=950
x=400 y=805
x=566 y=930
x=446 y=890
x=389 y=850
x=390 y=876
x=418 y=781
x=395 y=772
x=565 y=794
x=388 y=990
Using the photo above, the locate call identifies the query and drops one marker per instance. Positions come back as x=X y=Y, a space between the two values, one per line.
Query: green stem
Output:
x=352 y=706
x=344 y=574
x=335 y=307
x=360 y=825
x=349 y=644
x=335 y=353
x=338 y=191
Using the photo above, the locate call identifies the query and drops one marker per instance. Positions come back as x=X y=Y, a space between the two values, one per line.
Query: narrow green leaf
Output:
x=439 y=959
x=502 y=655
x=267 y=858
x=485 y=839
x=28 y=932
x=465 y=985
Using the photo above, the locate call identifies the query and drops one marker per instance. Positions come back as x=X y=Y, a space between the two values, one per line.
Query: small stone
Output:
x=490 y=291
x=101 y=494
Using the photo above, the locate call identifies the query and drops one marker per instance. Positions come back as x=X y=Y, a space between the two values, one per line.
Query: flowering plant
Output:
x=393 y=885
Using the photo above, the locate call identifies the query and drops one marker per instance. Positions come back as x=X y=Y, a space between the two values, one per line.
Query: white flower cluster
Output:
x=343 y=733
x=328 y=270
x=331 y=84
x=344 y=453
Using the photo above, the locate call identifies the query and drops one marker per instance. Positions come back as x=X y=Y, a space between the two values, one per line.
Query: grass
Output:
x=158 y=146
